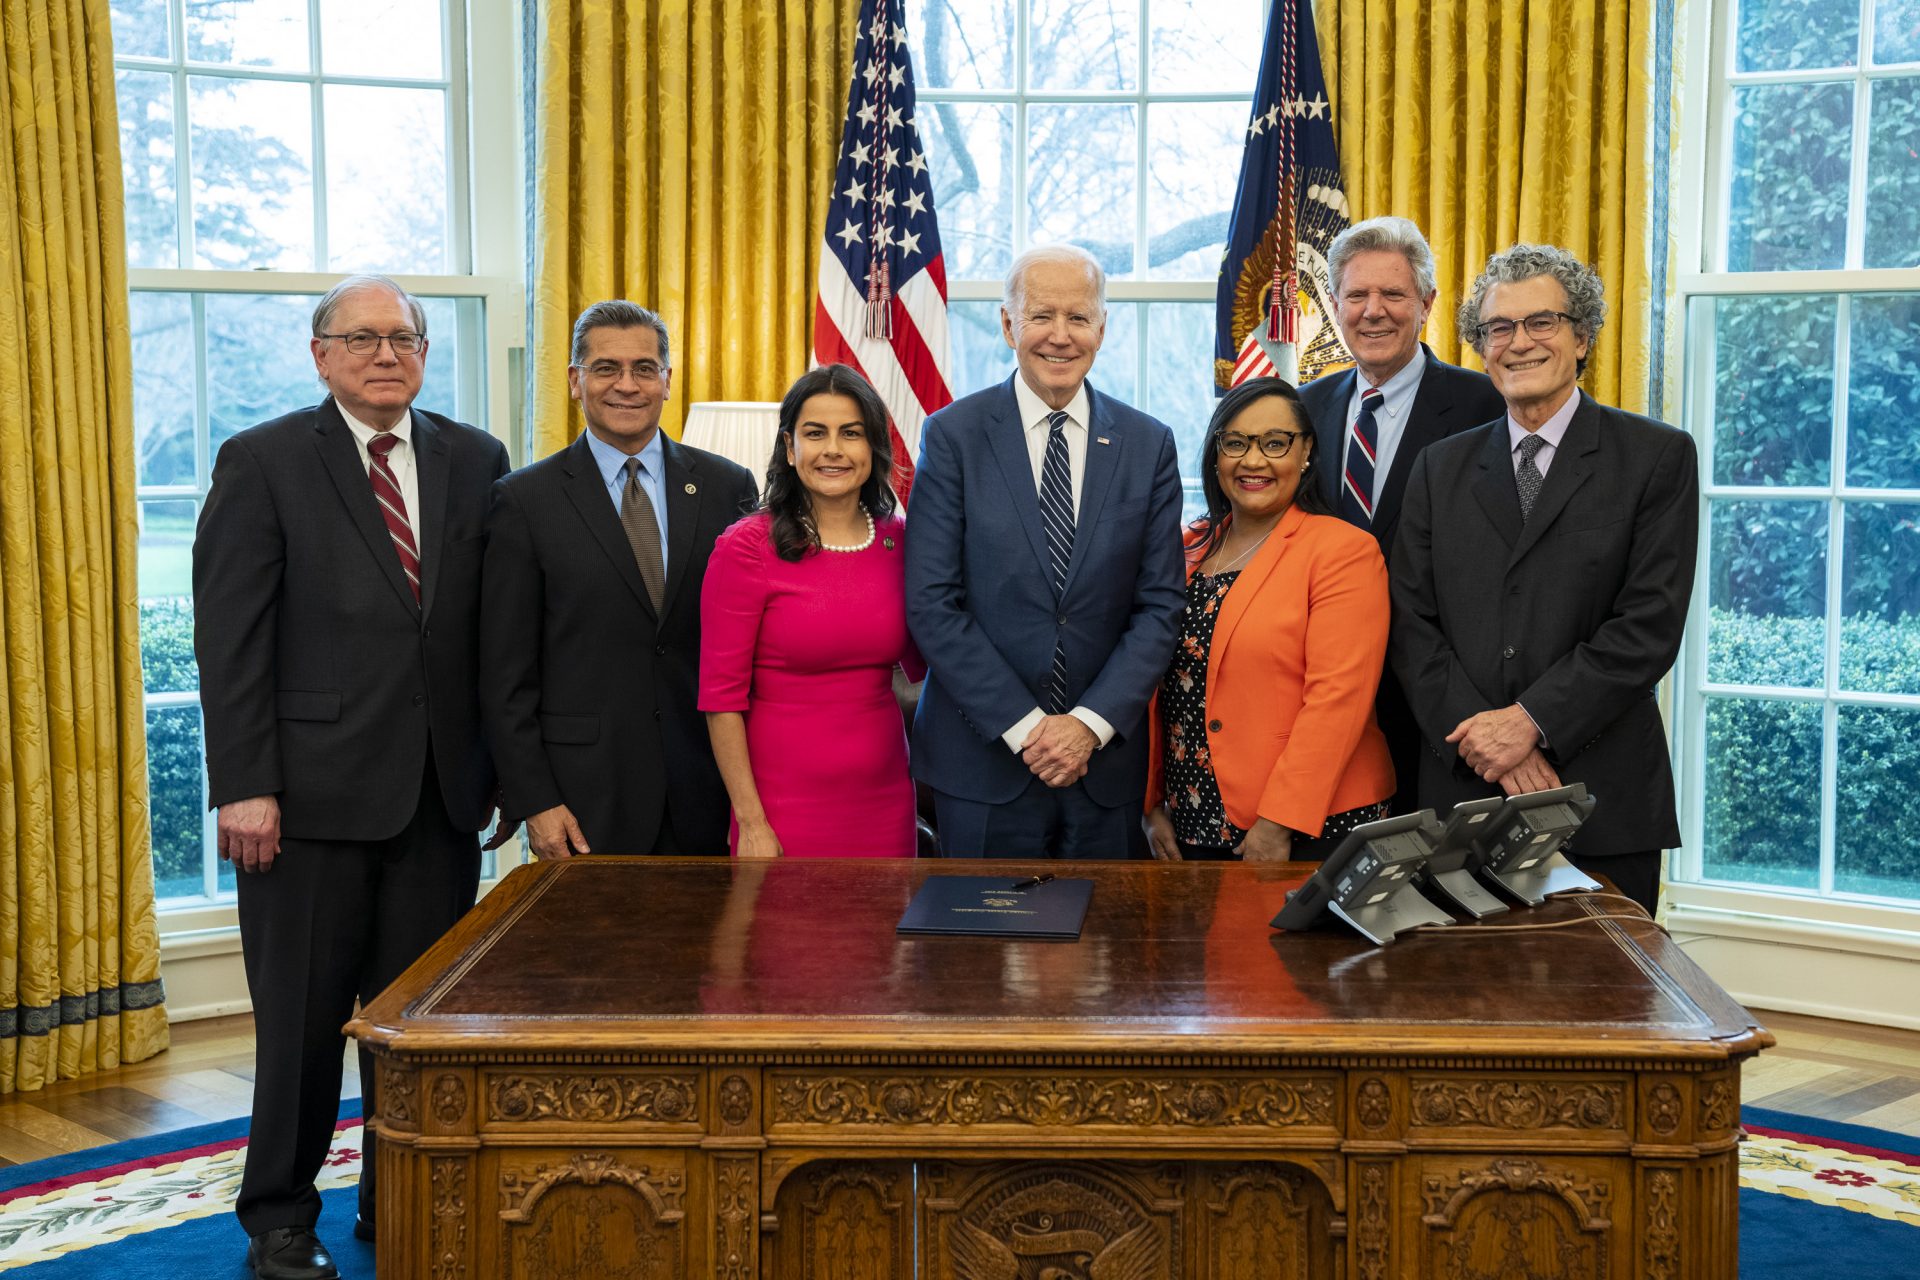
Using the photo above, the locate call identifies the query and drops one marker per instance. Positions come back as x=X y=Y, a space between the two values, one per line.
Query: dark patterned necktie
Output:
x=1527 y=476
x=1356 y=485
x=393 y=507
x=643 y=534
x=1056 y=507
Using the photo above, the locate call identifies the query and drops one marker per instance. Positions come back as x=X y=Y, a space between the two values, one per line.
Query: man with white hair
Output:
x=1044 y=580
x=336 y=592
x=1376 y=417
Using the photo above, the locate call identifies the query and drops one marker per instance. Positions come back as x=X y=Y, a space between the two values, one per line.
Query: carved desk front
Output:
x=662 y=1068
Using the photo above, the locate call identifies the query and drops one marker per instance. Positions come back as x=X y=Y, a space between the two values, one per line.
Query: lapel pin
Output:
x=692 y=488
x=1104 y=440
x=887 y=543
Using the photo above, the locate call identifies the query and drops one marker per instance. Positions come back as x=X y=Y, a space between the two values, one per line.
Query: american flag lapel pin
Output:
x=1103 y=440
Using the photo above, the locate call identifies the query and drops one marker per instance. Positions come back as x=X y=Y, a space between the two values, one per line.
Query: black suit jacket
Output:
x=1449 y=400
x=322 y=682
x=1576 y=614
x=589 y=695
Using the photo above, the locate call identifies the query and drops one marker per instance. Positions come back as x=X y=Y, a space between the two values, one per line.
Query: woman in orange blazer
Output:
x=1268 y=748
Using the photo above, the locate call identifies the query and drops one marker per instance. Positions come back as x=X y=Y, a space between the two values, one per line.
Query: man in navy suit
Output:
x=1376 y=417
x=1044 y=581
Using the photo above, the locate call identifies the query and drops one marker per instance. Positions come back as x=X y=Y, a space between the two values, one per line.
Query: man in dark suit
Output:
x=1541 y=576
x=336 y=582
x=591 y=658
x=1376 y=417
x=1043 y=583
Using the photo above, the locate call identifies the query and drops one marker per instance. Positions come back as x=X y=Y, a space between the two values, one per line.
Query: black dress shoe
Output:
x=290 y=1253
x=362 y=1227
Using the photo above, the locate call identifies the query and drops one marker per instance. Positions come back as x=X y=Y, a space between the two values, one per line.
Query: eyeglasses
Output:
x=611 y=370
x=1541 y=324
x=362 y=342
x=1275 y=444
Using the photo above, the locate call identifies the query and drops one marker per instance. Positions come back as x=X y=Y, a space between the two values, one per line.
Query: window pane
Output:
x=970 y=150
x=1781 y=35
x=382 y=38
x=1193 y=166
x=1767 y=593
x=147 y=166
x=252 y=146
x=166 y=596
x=1180 y=374
x=961 y=44
x=1896 y=31
x=1773 y=389
x=1893 y=175
x=178 y=803
x=1883 y=393
x=259 y=365
x=1081 y=181
x=1205 y=46
x=1787 y=209
x=1876 y=805
x=1077 y=44
x=444 y=384
x=1762 y=793
x=139 y=29
x=383 y=216
x=162 y=388
x=981 y=356
x=1880 y=599
x=255 y=33
x=1116 y=371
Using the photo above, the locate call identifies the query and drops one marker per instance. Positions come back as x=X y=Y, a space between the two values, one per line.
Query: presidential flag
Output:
x=1274 y=304
x=882 y=306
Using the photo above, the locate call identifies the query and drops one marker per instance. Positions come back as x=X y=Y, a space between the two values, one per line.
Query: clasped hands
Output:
x=1503 y=746
x=1057 y=750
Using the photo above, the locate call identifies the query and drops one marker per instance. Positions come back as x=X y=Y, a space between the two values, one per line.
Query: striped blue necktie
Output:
x=1356 y=485
x=1056 y=507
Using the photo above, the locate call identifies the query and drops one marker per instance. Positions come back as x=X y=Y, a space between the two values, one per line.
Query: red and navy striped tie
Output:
x=393 y=507
x=1356 y=486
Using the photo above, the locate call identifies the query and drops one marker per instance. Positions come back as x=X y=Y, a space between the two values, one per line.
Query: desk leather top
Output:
x=797 y=955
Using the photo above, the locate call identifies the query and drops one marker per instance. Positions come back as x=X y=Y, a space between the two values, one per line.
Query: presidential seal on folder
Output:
x=1043 y=907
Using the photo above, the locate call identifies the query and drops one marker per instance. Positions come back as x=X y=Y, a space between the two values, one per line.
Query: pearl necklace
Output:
x=861 y=546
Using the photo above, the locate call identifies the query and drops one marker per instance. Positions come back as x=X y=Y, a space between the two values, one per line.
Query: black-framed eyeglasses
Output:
x=1275 y=444
x=1541 y=324
x=363 y=342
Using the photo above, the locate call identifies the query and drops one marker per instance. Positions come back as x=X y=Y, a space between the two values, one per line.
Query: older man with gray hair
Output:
x=1376 y=417
x=336 y=587
x=1043 y=584
x=1541 y=576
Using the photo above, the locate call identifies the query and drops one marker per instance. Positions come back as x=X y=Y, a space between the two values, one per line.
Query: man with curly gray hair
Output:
x=1541 y=576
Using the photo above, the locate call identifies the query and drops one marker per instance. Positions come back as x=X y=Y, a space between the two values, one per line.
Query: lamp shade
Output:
x=742 y=431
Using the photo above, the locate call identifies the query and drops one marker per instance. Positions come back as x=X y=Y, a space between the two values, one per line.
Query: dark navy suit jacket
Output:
x=981 y=604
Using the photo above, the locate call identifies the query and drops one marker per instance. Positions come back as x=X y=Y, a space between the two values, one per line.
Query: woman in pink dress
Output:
x=802 y=621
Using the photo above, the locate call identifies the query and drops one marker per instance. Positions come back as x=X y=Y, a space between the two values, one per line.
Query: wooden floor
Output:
x=1832 y=1070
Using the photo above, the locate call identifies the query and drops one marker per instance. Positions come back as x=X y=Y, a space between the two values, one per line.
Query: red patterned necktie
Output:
x=393 y=507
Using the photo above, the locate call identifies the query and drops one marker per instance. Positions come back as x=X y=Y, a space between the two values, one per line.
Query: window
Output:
x=269 y=147
x=1116 y=125
x=1800 y=711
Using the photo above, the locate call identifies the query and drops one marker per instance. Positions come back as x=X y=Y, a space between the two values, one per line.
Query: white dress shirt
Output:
x=1034 y=413
x=1389 y=421
x=1552 y=431
x=400 y=460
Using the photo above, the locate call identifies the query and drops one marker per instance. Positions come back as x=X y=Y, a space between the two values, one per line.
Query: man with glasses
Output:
x=590 y=663
x=1541 y=575
x=336 y=582
x=1373 y=420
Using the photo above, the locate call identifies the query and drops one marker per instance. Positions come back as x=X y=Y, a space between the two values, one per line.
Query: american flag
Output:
x=885 y=313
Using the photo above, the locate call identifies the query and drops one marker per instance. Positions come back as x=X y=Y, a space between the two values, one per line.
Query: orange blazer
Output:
x=1296 y=659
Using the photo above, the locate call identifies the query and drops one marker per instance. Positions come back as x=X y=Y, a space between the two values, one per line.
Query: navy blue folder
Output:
x=989 y=906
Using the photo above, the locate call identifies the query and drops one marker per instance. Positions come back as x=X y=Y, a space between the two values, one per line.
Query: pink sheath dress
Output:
x=806 y=652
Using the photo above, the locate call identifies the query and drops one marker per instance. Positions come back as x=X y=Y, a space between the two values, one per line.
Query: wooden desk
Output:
x=664 y=1068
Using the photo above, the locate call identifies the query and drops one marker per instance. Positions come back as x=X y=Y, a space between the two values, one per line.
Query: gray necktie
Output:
x=1527 y=476
x=643 y=534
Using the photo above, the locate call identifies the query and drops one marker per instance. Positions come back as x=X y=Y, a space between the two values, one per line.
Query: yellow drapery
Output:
x=682 y=151
x=79 y=954
x=1493 y=121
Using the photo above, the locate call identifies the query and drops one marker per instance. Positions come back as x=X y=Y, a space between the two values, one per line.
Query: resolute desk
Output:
x=650 y=1068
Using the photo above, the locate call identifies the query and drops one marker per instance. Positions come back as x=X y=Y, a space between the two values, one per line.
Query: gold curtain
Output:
x=1494 y=121
x=683 y=150
x=79 y=954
